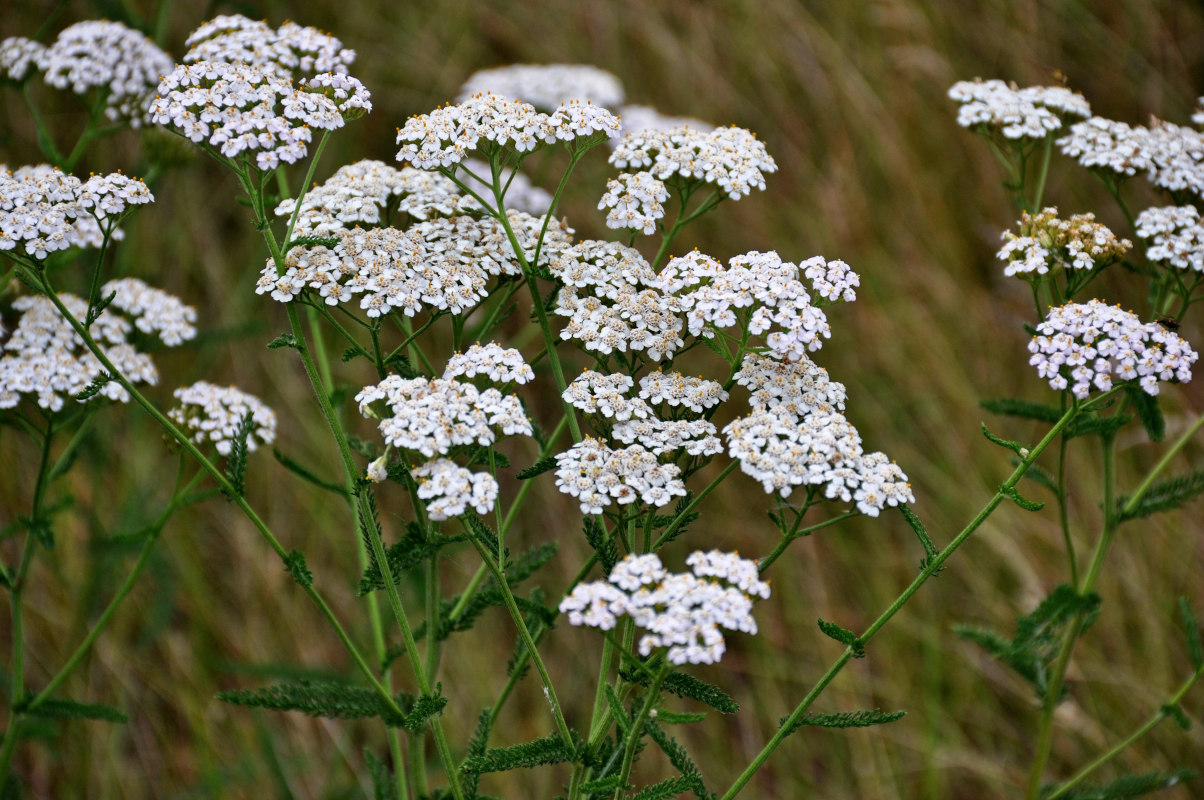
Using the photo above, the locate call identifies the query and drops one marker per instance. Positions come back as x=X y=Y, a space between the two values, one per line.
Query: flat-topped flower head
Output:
x=1172 y=156
x=1107 y=146
x=1030 y=113
x=19 y=57
x=1176 y=155
x=291 y=51
x=450 y=490
x=605 y=396
x=683 y=613
x=790 y=389
x=598 y=476
x=831 y=280
x=1175 y=236
x=43 y=210
x=213 y=413
x=546 y=86
x=646 y=119
x=675 y=389
x=431 y=417
x=500 y=364
x=1093 y=346
x=1043 y=242
x=484 y=122
x=732 y=158
x=120 y=62
x=634 y=200
x=357 y=195
x=657 y=436
x=613 y=302
x=242 y=110
x=45 y=357
x=580 y=121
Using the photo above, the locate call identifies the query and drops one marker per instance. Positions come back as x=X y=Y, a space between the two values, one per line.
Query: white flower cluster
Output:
x=634 y=200
x=1175 y=234
x=1043 y=242
x=681 y=612
x=831 y=280
x=239 y=109
x=18 y=56
x=675 y=389
x=446 y=135
x=1172 y=156
x=605 y=396
x=153 y=310
x=1198 y=116
x=98 y=54
x=790 y=389
x=658 y=436
x=49 y=210
x=434 y=416
x=499 y=364
x=613 y=301
x=1094 y=344
x=1030 y=113
x=521 y=194
x=215 y=414
x=645 y=119
x=290 y=51
x=47 y=358
x=597 y=476
x=450 y=489
x=358 y=193
x=731 y=158
x=348 y=94
x=820 y=449
x=482 y=241
x=546 y=86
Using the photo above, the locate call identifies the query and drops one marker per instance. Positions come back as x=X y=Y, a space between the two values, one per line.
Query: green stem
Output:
x=1120 y=747
x=1064 y=506
x=929 y=570
x=637 y=729
x=789 y=537
x=1043 y=173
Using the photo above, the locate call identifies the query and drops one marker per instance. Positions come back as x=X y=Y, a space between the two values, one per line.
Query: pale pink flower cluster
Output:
x=598 y=476
x=47 y=210
x=731 y=158
x=683 y=613
x=213 y=413
x=1091 y=346
x=432 y=416
x=486 y=121
x=546 y=86
x=1030 y=113
x=1043 y=242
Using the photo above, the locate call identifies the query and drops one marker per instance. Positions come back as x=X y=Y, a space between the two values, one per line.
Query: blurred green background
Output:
x=850 y=100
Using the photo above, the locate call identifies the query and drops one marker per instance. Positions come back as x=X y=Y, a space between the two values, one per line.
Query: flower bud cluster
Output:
x=487 y=121
x=820 y=449
x=1175 y=234
x=499 y=364
x=1043 y=242
x=358 y=193
x=432 y=416
x=45 y=357
x=241 y=109
x=97 y=54
x=1172 y=156
x=597 y=476
x=731 y=158
x=49 y=210
x=1082 y=346
x=682 y=612
x=1030 y=113
x=450 y=489
x=634 y=200
x=613 y=301
x=215 y=414
x=291 y=51
x=546 y=86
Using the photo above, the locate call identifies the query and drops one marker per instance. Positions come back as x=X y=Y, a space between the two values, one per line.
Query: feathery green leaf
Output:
x=94 y=387
x=283 y=340
x=382 y=777
x=411 y=551
x=1192 y=629
x=1148 y=411
x=538 y=468
x=1128 y=786
x=236 y=462
x=1015 y=447
x=667 y=788
x=306 y=474
x=1164 y=495
x=845 y=719
x=548 y=750
x=294 y=562
x=602 y=541
x=95 y=311
x=1025 y=409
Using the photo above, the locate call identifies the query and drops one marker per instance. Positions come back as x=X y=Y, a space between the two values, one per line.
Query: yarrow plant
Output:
x=503 y=370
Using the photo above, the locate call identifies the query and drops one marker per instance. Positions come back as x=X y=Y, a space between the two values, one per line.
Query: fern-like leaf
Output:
x=294 y=562
x=72 y=709
x=1165 y=495
x=685 y=685
x=1095 y=425
x=844 y=719
x=95 y=311
x=538 y=468
x=1015 y=447
x=548 y=750
x=921 y=533
x=1148 y=411
x=411 y=551
x=94 y=387
x=602 y=541
x=306 y=474
x=315 y=699
x=842 y=635
x=236 y=462
x=311 y=241
x=678 y=757
x=283 y=340
x=1128 y=786
x=1191 y=628
x=667 y=788
x=381 y=775
x=1024 y=409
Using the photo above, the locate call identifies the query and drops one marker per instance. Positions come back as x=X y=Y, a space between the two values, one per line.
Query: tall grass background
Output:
x=850 y=100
